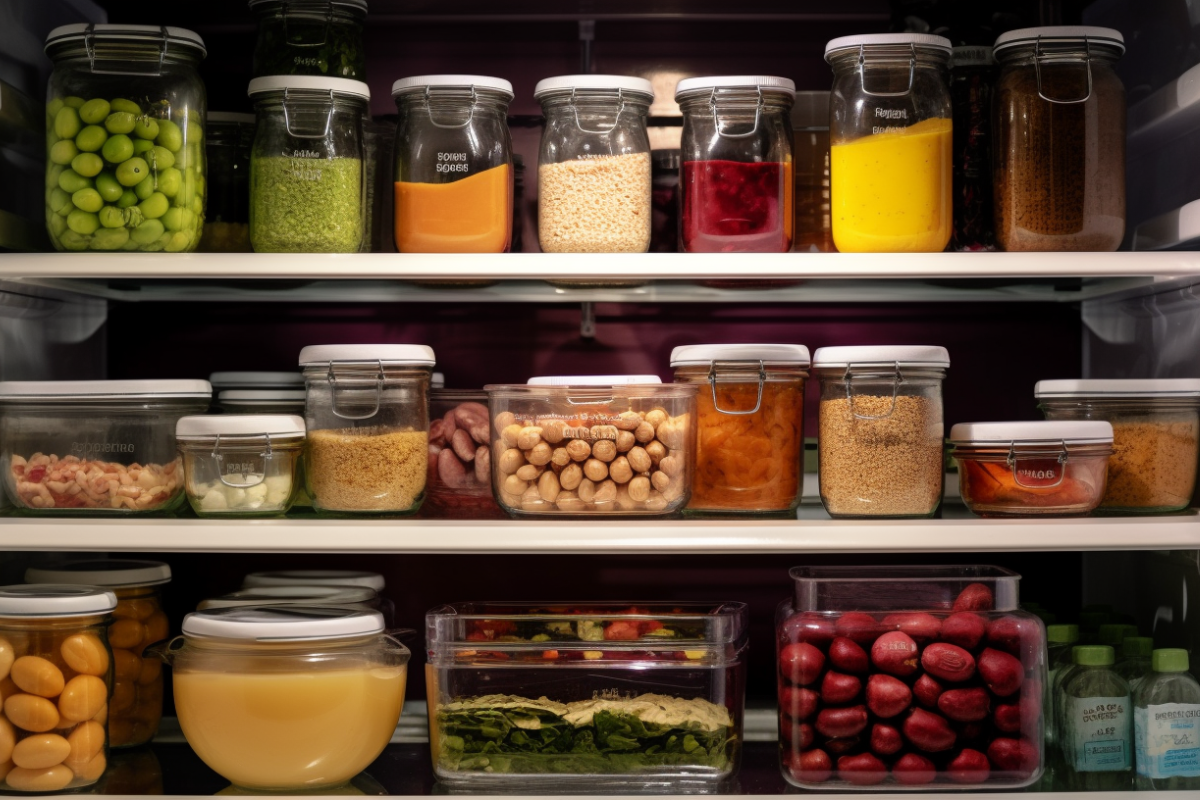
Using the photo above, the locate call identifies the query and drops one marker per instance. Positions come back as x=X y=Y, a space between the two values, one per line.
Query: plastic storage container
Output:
x=227 y=220
x=749 y=425
x=241 y=465
x=138 y=621
x=261 y=401
x=56 y=698
x=1060 y=140
x=810 y=155
x=125 y=138
x=454 y=167
x=972 y=81
x=368 y=426
x=881 y=430
x=618 y=444
x=310 y=37
x=335 y=578
x=647 y=695
x=285 y=698
x=256 y=380
x=1156 y=436
x=909 y=678
x=460 y=456
x=736 y=188
x=890 y=127
x=359 y=597
x=1043 y=468
x=68 y=446
x=594 y=164
x=306 y=168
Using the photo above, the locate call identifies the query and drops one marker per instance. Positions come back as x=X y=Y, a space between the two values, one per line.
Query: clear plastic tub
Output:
x=1042 y=468
x=79 y=447
x=619 y=444
x=460 y=457
x=909 y=678
x=241 y=465
x=620 y=693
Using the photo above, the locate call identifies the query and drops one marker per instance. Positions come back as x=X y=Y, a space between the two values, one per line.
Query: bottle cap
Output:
x=1114 y=634
x=1137 y=647
x=1062 y=634
x=1169 y=660
x=1093 y=655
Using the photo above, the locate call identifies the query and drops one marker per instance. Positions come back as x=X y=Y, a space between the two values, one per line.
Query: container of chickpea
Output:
x=137 y=622
x=583 y=445
x=749 y=425
x=55 y=672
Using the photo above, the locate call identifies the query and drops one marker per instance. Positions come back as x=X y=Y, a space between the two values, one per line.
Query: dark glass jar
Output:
x=972 y=79
x=227 y=221
x=310 y=37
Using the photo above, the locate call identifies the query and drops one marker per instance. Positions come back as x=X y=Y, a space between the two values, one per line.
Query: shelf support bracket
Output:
x=587 y=320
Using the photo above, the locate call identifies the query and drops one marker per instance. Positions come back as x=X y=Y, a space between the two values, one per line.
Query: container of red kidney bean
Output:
x=901 y=678
x=460 y=457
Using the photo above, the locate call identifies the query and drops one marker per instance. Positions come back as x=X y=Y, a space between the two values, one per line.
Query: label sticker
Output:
x=1168 y=740
x=1101 y=733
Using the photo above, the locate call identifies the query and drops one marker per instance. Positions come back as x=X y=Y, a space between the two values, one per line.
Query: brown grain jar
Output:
x=1059 y=140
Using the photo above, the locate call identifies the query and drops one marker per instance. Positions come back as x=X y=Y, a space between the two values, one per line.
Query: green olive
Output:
x=56 y=224
x=118 y=148
x=87 y=164
x=58 y=199
x=53 y=174
x=91 y=138
x=109 y=238
x=127 y=106
x=142 y=146
x=146 y=188
x=145 y=128
x=112 y=217
x=66 y=123
x=154 y=206
x=179 y=242
x=148 y=231
x=70 y=240
x=128 y=199
x=88 y=200
x=169 y=135
x=170 y=181
x=120 y=122
x=178 y=219
x=71 y=181
x=189 y=188
x=84 y=223
x=73 y=102
x=94 y=111
x=131 y=244
x=62 y=152
x=108 y=187
x=194 y=132
x=53 y=107
x=161 y=158
x=133 y=171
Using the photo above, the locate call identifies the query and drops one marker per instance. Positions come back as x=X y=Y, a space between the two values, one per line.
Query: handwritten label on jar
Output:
x=452 y=162
x=1167 y=738
x=1100 y=732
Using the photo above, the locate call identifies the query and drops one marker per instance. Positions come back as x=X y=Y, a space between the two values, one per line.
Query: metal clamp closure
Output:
x=862 y=73
x=712 y=103
x=712 y=383
x=89 y=45
x=616 y=120
x=266 y=456
x=298 y=133
x=1037 y=68
x=333 y=390
x=470 y=115
x=848 y=379
x=1014 y=463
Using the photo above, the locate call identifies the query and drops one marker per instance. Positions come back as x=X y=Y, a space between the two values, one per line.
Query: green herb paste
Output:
x=306 y=205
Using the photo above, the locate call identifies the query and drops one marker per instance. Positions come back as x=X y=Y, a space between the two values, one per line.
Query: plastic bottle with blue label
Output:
x=1095 y=723
x=1167 y=725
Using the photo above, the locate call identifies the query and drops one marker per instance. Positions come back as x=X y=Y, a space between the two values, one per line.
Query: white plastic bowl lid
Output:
x=1069 y=431
x=126 y=33
x=54 y=600
x=870 y=39
x=1061 y=33
x=319 y=577
x=610 y=83
x=256 y=380
x=207 y=426
x=102 y=572
x=417 y=355
x=282 y=623
x=904 y=355
x=1118 y=388
x=690 y=355
x=252 y=396
x=418 y=83
x=228 y=116
x=318 y=83
x=767 y=82
x=91 y=391
x=595 y=380
x=291 y=595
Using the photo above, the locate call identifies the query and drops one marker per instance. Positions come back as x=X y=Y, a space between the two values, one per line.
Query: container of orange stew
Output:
x=1045 y=468
x=750 y=425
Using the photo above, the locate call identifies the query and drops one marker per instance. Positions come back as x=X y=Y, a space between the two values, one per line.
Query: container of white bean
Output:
x=584 y=445
x=242 y=465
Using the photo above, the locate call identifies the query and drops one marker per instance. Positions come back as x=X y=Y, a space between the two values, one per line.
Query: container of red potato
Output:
x=917 y=678
x=460 y=464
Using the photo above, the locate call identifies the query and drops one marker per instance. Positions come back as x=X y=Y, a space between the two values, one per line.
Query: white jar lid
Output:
x=870 y=39
x=94 y=391
x=125 y=33
x=1070 y=431
x=594 y=380
x=228 y=116
x=903 y=355
x=767 y=82
x=1061 y=34
x=416 y=355
x=256 y=380
x=207 y=426
x=291 y=595
x=1118 y=388
x=610 y=83
x=319 y=83
x=102 y=572
x=691 y=355
x=418 y=83
x=282 y=623
x=262 y=396
x=325 y=577
x=54 y=600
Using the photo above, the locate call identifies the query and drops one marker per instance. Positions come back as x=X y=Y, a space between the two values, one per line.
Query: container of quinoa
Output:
x=1156 y=436
x=70 y=447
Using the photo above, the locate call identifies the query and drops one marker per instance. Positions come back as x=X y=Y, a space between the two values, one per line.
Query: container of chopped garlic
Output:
x=242 y=465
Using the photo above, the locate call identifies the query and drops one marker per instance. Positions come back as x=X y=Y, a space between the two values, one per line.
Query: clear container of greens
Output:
x=306 y=167
x=310 y=37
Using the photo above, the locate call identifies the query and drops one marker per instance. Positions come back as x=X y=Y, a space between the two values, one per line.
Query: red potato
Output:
x=1021 y=716
x=928 y=731
x=848 y=656
x=885 y=740
x=969 y=766
x=948 y=662
x=837 y=688
x=840 y=723
x=976 y=597
x=858 y=627
x=1005 y=634
x=1007 y=718
x=801 y=663
x=799 y=735
x=913 y=770
x=806 y=626
x=927 y=691
x=841 y=747
x=965 y=705
x=799 y=704
x=1001 y=672
x=1018 y=756
x=963 y=629
x=895 y=653
x=863 y=769
x=921 y=627
x=887 y=696
x=811 y=766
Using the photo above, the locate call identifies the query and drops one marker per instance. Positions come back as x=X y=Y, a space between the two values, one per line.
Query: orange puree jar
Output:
x=750 y=425
x=453 y=164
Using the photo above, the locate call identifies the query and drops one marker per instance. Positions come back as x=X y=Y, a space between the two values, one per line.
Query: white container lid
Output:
x=228 y=116
x=209 y=425
x=904 y=355
x=262 y=396
x=320 y=83
x=291 y=595
x=91 y=391
x=870 y=39
x=54 y=600
x=595 y=380
x=1118 y=388
x=256 y=380
x=692 y=355
x=102 y=572
x=418 y=83
x=417 y=355
x=1060 y=33
x=282 y=623
x=116 y=31
x=319 y=577
x=1070 y=431
x=768 y=82
x=559 y=83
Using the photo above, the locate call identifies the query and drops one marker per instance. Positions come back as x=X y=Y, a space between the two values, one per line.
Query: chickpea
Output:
x=571 y=477
x=553 y=430
x=606 y=493
x=539 y=455
x=639 y=489
x=503 y=420
x=595 y=469
x=587 y=490
x=51 y=779
x=548 y=487
x=604 y=450
x=559 y=457
x=510 y=461
x=660 y=481
x=515 y=486
x=41 y=750
x=657 y=416
x=625 y=441
x=36 y=675
x=673 y=432
x=570 y=502
x=85 y=654
x=529 y=472
x=644 y=433
x=657 y=452
x=32 y=713
x=7 y=656
x=619 y=470
x=510 y=434
x=579 y=450
x=639 y=459
x=624 y=502
x=628 y=421
x=84 y=696
x=532 y=500
x=672 y=465
x=529 y=437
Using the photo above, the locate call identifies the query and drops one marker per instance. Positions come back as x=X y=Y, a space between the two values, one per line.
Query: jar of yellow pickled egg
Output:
x=55 y=674
x=138 y=621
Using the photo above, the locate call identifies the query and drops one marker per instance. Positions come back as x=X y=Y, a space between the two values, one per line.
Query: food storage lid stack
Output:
x=315 y=577
x=794 y=355
x=282 y=623
x=313 y=594
x=50 y=600
x=122 y=573
x=918 y=588
x=1118 y=389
